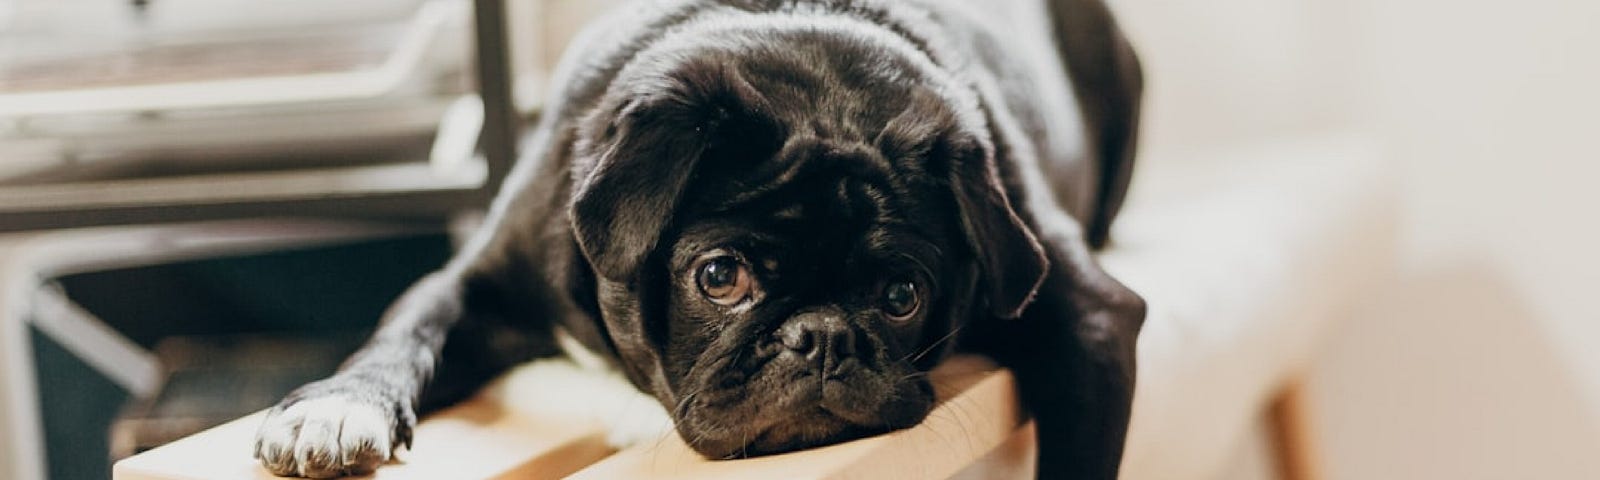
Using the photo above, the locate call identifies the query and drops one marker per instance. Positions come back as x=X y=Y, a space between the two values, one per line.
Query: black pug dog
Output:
x=775 y=216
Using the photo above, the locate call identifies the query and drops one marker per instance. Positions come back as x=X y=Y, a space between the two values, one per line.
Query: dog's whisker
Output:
x=936 y=343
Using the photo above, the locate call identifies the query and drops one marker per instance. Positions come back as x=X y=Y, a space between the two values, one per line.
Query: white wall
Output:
x=1482 y=361
x=1228 y=71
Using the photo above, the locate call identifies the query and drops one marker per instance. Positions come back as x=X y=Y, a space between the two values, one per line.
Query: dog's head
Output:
x=788 y=228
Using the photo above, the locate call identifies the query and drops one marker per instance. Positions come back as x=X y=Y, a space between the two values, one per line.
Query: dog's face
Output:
x=787 y=239
x=806 y=313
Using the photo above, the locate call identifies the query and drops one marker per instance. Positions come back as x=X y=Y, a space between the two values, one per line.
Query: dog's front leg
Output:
x=1072 y=351
x=353 y=421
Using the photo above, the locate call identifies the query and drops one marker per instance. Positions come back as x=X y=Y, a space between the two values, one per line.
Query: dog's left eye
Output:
x=900 y=299
x=724 y=280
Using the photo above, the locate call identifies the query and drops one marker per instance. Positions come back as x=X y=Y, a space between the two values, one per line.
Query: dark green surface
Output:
x=340 y=287
x=77 y=406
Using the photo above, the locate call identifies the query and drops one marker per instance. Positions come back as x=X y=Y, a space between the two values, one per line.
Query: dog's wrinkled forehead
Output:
x=805 y=177
x=731 y=101
x=821 y=118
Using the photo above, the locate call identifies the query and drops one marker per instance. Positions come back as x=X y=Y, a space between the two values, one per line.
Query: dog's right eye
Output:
x=724 y=280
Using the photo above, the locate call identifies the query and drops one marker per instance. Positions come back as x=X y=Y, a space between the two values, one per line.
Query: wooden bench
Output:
x=977 y=431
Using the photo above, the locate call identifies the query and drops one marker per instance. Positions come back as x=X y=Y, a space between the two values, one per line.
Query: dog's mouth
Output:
x=815 y=428
x=800 y=417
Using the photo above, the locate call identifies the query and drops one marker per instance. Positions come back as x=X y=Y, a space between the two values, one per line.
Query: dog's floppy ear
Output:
x=642 y=160
x=637 y=155
x=1010 y=258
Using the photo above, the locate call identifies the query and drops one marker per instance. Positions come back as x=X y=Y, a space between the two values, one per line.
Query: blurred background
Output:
x=1478 y=359
x=1482 y=360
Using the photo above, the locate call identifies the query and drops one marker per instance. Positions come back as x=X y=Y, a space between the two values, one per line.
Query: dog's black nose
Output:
x=823 y=338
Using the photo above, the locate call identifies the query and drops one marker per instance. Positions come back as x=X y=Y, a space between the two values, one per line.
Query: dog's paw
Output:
x=331 y=434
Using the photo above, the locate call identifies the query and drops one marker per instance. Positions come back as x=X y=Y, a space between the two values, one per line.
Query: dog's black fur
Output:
x=829 y=162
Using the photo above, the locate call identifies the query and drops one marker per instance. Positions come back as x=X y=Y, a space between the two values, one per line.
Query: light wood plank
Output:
x=975 y=428
x=478 y=439
x=979 y=412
